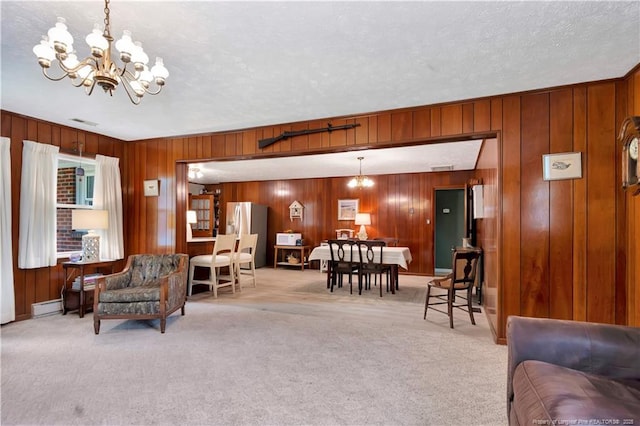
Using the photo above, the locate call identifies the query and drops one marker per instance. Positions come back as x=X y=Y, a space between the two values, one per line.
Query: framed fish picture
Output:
x=564 y=165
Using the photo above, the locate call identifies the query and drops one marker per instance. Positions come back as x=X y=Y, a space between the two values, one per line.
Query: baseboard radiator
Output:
x=49 y=307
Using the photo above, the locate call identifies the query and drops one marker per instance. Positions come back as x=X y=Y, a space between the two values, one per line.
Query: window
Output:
x=76 y=177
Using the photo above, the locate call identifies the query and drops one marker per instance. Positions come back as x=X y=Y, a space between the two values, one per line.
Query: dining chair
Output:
x=344 y=234
x=371 y=263
x=344 y=261
x=461 y=279
x=223 y=252
x=392 y=242
x=389 y=241
x=245 y=255
x=324 y=264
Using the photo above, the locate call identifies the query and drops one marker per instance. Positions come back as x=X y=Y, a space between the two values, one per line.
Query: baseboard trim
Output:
x=43 y=309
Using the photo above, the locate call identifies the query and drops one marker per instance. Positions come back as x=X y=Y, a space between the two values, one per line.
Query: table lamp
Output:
x=363 y=219
x=192 y=217
x=90 y=220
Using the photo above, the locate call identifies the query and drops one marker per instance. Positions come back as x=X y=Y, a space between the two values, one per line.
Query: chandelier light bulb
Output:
x=159 y=71
x=97 y=42
x=145 y=77
x=71 y=62
x=44 y=52
x=194 y=172
x=360 y=182
x=86 y=74
x=125 y=46
x=137 y=88
x=99 y=68
x=138 y=57
x=60 y=38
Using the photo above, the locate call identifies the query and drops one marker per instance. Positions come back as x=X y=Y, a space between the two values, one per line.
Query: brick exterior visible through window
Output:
x=68 y=240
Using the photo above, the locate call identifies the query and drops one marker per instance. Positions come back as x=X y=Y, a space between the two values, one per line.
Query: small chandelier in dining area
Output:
x=194 y=172
x=99 y=68
x=360 y=181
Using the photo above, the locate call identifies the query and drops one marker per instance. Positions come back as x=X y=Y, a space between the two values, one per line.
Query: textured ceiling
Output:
x=241 y=64
x=236 y=65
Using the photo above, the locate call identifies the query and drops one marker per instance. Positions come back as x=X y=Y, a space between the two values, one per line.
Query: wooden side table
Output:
x=279 y=249
x=80 y=299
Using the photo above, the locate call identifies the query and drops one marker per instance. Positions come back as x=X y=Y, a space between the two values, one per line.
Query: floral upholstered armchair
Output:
x=150 y=286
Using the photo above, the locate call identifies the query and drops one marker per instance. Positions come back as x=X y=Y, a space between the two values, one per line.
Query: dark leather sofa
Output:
x=572 y=373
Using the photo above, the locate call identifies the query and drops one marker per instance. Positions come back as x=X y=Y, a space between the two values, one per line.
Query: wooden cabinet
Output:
x=216 y=212
x=207 y=208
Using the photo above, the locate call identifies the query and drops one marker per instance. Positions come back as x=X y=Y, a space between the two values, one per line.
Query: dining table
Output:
x=394 y=256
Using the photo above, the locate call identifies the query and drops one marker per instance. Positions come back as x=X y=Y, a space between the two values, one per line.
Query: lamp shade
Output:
x=363 y=219
x=191 y=216
x=89 y=219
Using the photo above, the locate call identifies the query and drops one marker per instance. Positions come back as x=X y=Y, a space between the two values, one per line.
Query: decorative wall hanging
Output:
x=263 y=143
x=295 y=210
x=347 y=209
x=151 y=188
x=565 y=165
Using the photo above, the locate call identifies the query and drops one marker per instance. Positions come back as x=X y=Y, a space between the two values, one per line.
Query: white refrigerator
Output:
x=249 y=218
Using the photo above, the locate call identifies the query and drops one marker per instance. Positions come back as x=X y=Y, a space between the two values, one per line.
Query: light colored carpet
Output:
x=285 y=353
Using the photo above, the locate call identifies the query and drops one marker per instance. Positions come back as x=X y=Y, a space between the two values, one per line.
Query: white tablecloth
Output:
x=400 y=256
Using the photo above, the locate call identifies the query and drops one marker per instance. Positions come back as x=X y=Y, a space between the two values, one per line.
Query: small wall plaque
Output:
x=566 y=165
x=151 y=188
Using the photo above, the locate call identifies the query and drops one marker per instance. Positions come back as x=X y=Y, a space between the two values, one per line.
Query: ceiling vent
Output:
x=81 y=121
x=446 y=168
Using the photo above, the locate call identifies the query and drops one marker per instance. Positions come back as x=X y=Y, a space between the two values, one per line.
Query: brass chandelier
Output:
x=99 y=68
x=194 y=172
x=360 y=181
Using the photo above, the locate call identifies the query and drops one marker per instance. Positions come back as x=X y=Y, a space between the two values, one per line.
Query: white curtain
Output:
x=37 y=241
x=7 y=299
x=107 y=195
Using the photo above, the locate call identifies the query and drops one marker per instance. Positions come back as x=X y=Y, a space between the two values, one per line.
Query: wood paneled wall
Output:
x=488 y=227
x=555 y=242
x=631 y=250
x=390 y=202
x=41 y=284
x=559 y=248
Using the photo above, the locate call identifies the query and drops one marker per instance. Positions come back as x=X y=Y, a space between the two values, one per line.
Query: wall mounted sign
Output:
x=565 y=165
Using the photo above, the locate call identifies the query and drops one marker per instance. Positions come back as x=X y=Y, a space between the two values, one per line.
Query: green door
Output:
x=449 y=226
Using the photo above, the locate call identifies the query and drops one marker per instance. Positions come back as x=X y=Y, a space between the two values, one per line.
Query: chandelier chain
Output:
x=107 y=30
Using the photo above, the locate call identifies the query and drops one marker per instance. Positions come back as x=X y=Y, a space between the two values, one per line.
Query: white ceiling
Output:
x=236 y=65
x=381 y=161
